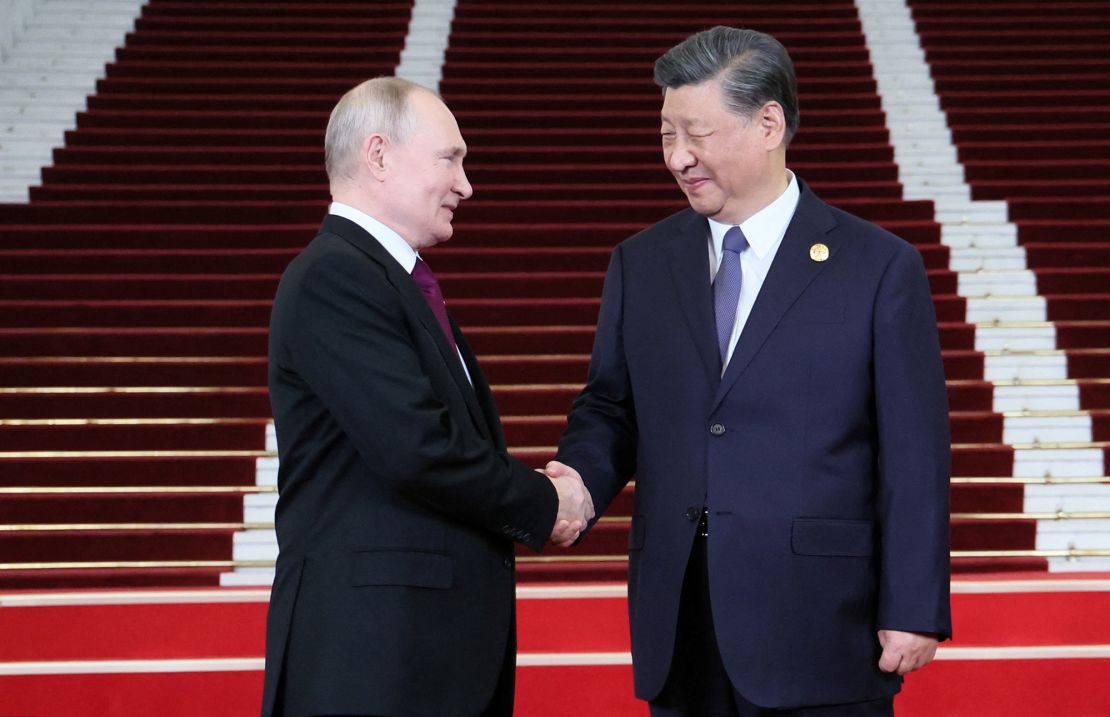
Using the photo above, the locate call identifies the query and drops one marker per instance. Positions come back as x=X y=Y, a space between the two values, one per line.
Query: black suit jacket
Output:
x=398 y=502
x=822 y=453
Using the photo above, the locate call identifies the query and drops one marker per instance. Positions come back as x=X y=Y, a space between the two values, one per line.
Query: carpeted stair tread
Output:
x=16 y=371
x=1089 y=334
x=1080 y=307
x=170 y=469
x=118 y=577
x=1063 y=254
x=112 y=545
x=134 y=313
x=126 y=342
x=136 y=402
x=55 y=509
x=131 y=434
x=1089 y=363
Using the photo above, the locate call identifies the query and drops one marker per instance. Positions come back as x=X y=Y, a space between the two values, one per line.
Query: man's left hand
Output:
x=904 y=652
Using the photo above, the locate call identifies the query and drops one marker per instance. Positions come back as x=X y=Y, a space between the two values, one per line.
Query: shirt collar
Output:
x=390 y=240
x=764 y=228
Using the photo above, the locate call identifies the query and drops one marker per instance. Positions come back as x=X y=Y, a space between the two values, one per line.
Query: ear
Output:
x=772 y=124
x=374 y=149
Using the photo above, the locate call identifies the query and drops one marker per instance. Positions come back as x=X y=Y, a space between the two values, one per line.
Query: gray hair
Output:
x=378 y=105
x=754 y=69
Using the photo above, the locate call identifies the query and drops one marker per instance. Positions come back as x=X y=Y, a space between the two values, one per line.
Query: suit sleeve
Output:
x=353 y=347
x=914 y=452
x=601 y=434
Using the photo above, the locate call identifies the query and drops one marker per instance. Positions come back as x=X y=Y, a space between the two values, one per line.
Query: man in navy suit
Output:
x=399 y=504
x=768 y=368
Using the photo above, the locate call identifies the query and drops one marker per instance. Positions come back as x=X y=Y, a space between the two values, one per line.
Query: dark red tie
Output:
x=429 y=287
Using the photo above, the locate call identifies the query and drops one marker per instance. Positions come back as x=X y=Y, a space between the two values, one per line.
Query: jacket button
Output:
x=717 y=429
x=508 y=563
x=692 y=514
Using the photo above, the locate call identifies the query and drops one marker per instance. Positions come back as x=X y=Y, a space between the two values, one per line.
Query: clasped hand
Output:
x=576 y=507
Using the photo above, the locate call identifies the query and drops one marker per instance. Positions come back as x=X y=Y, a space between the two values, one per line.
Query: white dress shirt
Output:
x=391 y=241
x=764 y=231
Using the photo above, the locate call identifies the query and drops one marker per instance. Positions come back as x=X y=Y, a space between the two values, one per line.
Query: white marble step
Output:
x=1079 y=565
x=997 y=283
x=98 y=6
x=81 y=34
x=1070 y=534
x=46 y=54
x=1045 y=427
x=41 y=112
x=1037 y=396
x=254 y=545
x=1025 y=366
x=977 y=213
x=1069 y=498
x=83 y=82
x=940 y=189
x=56 y=96
x=15 y=192
x=265 y=471
x=1066 y=461
x=259 y=507
x=425 y=48
x=247 y=577
x=998 y=258
x=984 y=234
x=1006 y=308
x=1015 y=337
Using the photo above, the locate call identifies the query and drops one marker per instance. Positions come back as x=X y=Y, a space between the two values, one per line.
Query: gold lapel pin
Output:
x=819 y=252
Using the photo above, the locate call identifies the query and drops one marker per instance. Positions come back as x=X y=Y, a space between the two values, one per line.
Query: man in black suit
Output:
x=398 y=504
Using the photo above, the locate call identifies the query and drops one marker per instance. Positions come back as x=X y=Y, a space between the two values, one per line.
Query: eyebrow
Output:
x=456 y=151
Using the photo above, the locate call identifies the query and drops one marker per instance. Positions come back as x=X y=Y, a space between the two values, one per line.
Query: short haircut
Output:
x=379 y=105
x=754 y=69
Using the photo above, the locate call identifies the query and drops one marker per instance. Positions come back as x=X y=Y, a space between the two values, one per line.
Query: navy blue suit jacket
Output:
x=822 y=453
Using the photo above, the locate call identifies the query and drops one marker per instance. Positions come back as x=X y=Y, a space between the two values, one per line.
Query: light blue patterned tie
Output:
x=726 y=287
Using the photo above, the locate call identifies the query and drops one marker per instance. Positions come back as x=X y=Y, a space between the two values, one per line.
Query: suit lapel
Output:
x=689 y=264
x=488 y=420
x=791 y=272
x=406 y=287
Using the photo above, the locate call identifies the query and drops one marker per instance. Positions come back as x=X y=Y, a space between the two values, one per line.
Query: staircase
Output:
x=1025 y=88
x=136 y=283
x=135 y=288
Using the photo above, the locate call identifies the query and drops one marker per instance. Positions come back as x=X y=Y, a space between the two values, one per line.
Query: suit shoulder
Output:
x=331 y=265
x=330 y=253
x=868 y=232
x=659 y=232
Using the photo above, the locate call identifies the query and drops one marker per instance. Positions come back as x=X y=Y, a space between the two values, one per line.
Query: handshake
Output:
x=576 y=507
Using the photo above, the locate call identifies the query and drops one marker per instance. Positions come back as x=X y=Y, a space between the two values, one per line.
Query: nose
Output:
x=678 y=156
x=462 y=184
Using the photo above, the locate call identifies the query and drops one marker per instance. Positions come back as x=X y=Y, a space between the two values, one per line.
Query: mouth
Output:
x=692 y=184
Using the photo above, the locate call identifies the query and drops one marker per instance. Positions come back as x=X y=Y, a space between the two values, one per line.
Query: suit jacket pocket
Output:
x=401 y=567
x=636 y=533
x=833 y=537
